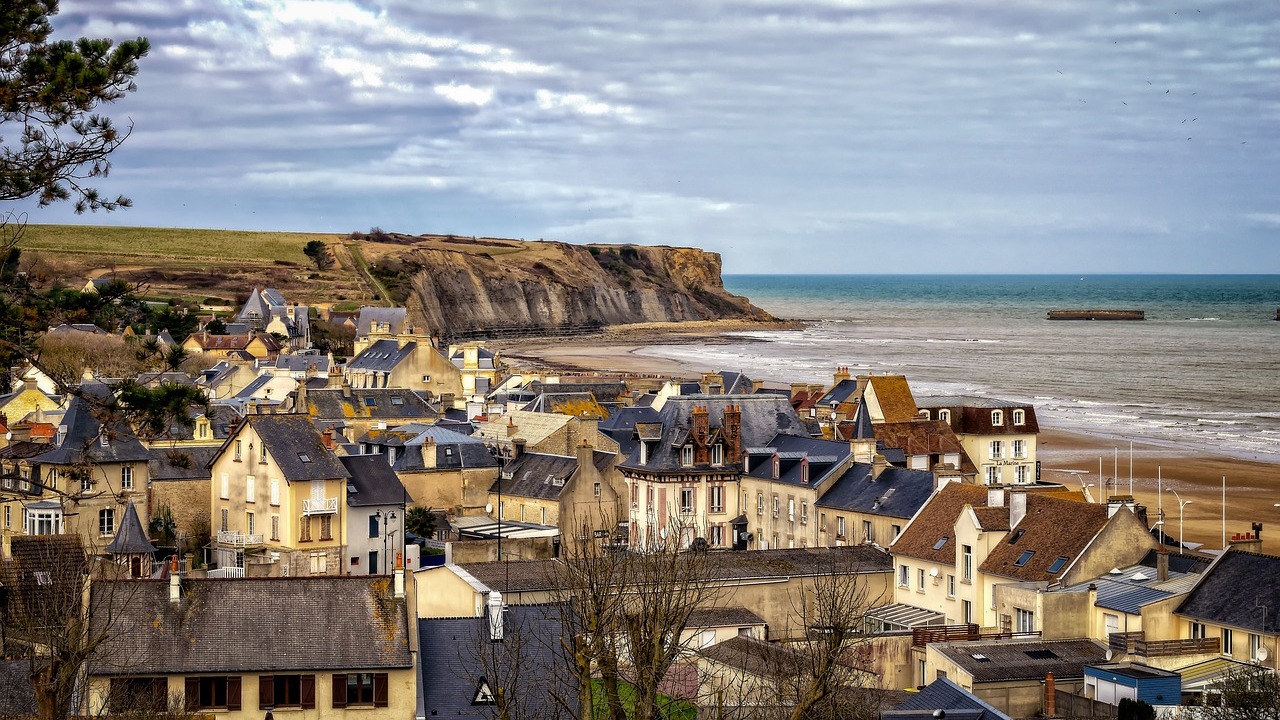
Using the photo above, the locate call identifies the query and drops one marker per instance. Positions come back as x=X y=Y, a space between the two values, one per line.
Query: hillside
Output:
x=452 y=284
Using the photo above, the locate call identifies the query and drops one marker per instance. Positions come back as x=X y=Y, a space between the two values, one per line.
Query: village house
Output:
x=267 y=311
x=245 y=346
x=355 y=412
x=1016 y=676
x=376 y=506
x=278 y=500
x=999 y=436
x=571 y=492
x=201 y=652
x=27 y=399
x=439 y=467
x=1234 y=601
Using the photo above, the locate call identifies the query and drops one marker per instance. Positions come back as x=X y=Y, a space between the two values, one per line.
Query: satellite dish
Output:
x=1110 y=654
x=488 y=507
x=1261 y=654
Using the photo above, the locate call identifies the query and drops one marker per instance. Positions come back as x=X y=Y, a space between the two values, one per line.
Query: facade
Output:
x=404 y=361
x=439 y=467
x=278 y=499
x=266 y=310
x=376 y=505
x=571 y=492
x=999 y=436
x=202 y=652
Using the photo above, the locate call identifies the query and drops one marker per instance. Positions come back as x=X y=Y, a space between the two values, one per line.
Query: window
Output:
x=840 y=526
x=966 y=563
x=993 y=475
x=804 y=473
x=1226 y=640
x=791 y=509
x=42 y=522
x=86 y=482
x=804 y=512
x=275 y=527
x=942 y=541
x=7 y=516
x=966 y=611
x=686 y=455
x=717 y=454
x=1197 y=630
x=262 y=452
x=920 y=579
x=868 y=531
x=1058 y=564
x=304 y=529
x=716 y=498
x=1019 y=417
x=1024 y=620
x=951 y=586
x=250 y=488
x=360 y=689
x=595 y=489
x=1024 y=558
x=997 y=417
x=319 y=563
x=759 y=503
x=326 y=527
x=226 y=525
x=904 y=575
x=717 y=535
x=944 y=416
x=1021 y=475
x=277 y=691
x=1255 y=645
x=238 y=452
x=275 y=492
x=648 y=491
x=107 y=521
x=777 y=506
x=226 y=487
x=997 y=449
x=686 y=501
x=897 y=530
x=126 y=477
x=373 y=526
x=213 y=693
x=249 y=523
x=1019 y=449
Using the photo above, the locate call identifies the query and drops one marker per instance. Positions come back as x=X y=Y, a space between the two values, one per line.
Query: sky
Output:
x=805 y=136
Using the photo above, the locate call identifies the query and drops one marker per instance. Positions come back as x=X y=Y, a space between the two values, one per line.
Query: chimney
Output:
x=842 y=374
x=300 y=405
x=699 y=424
x=731 y=429
x=797 y=388
x=346 y=389
x=399 y=576
x=30 y=383
x=1050 y=702
x=175 y=581
x=878 y=465
x=511 y=426
x=1162 y=563
x=517 y=447
x=1017 y=507
x=494 y=606
x=995 y=496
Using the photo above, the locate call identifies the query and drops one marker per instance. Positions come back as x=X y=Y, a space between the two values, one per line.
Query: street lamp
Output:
x=385 y=531
x=1182 y=504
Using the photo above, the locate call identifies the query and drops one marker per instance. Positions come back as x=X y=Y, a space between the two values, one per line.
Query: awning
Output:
x=900 y=616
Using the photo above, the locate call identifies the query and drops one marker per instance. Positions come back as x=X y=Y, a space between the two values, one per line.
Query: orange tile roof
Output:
x=937 y=519
x=1053 y=527
x=919 y=437
x=894 y=395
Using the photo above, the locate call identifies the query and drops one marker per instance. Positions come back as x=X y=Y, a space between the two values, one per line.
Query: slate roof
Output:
x=944 y=694
x=898 y=492
x=825 y=457
x=734 y=383
x=314 y=623
x=130 y=538
x=919 y=437
x=373 y=482
x=453 y=450
x=382 y=356
x=549 y=402
x=763 y=418
x=395 y=316
x=527 y=575
x=535 y=475
x=288 y=439
x=84 y=430
x=842 y=391
x=184 y=463
x=973 y=414
x=1023 y=660
x=455 y=653
x=1241 y=590
x=17 y=696
x=621 y=424
x=371 y=403
x=303 y=363
x=756 y=657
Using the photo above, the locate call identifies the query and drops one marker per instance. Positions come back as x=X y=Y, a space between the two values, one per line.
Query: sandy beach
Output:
x=1252 y=487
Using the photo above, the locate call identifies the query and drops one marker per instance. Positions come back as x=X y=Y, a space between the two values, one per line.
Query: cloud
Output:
x=464 y=94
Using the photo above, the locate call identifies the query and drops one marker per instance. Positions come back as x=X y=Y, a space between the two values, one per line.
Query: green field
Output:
x=152 y=244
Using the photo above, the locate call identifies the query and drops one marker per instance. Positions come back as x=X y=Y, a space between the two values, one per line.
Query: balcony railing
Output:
x=319 y=506
x=238 y=539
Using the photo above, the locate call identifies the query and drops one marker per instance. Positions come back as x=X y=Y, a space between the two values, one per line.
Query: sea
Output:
x=1201 y=371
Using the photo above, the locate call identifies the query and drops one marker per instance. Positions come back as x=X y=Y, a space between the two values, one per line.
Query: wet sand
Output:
x=1252 y=487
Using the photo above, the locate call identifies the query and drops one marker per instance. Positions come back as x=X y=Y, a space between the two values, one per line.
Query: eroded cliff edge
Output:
x=459 y=285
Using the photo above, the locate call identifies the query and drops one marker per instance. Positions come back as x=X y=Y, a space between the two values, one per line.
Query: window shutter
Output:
x=233 y=692
x=379 y=689
x=308 y=692
x=339 y=690
x=191 y=699
x=266 y=691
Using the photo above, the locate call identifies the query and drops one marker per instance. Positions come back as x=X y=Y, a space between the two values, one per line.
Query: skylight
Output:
x=980 y=657
x=1058 y=564
x=304 y=457
x=1024 y=558
x=1040 y=654
x=1017 y=535
x=941 y=541
x=397 y=400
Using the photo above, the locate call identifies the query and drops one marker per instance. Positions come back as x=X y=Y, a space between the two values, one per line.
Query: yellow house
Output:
x=22 y=402
x=332 y=647
x=278 y=500
x=999 y=436
x=571 y=492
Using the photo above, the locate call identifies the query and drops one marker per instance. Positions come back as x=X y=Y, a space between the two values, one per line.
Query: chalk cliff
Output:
x=458 y=285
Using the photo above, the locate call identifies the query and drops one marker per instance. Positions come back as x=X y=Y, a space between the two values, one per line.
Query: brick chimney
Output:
x=699 y=424
x=1050 y=702
x=731 y=428
x=842 y=374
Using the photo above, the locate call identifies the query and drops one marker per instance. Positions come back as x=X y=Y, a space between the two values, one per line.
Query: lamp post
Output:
x=385 y=523
x=1182 y=504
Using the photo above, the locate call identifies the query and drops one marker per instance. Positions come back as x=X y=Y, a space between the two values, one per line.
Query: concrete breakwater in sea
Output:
x=1097 y=315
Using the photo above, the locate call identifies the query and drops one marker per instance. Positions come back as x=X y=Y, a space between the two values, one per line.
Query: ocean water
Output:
x=1203 y=370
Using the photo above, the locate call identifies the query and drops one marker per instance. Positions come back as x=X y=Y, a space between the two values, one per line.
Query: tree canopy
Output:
x=51 y=139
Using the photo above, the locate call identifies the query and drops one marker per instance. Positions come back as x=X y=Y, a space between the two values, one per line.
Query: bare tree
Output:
x=1247 y=693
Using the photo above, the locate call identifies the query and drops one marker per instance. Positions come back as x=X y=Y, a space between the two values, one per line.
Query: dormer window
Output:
x=777 y=467
x=1019 y=417
x=686 y=456
x=717 y=454
x=924 y=414
x=944 y=416
x=804 y=472
x=997 y=417
x=102 y=440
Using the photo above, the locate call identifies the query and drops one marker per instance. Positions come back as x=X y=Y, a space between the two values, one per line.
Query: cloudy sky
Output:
x=792 y=136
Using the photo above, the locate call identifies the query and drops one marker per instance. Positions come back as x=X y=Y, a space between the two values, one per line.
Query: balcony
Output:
x=230 y=538
x=320 y=506
x=1135 y=643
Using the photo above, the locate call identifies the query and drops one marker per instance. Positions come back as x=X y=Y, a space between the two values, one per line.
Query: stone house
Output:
x=999 y=436
x=376 y=505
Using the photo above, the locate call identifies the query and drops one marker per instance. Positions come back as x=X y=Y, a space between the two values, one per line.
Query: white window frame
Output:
x=996 y=450
x=1024 y=621
x=250 y=489
x=944 y=416
x=126 y=477
x=107 y=522
x=715 y=498
x=1019 y=449
x=997 y=417
x=1019 y=417
x=717 y=454
x=904 y=576
x=1021 y=474
x=966 y=563
x=993 y=474
x=275 y=492
x=688 y=501
x=686 y=456
x=951 y=586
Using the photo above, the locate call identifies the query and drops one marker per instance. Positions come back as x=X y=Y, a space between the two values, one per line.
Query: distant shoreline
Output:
x=1252 y=486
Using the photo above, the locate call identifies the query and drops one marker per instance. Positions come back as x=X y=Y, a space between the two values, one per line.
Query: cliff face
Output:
x=462 y=284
